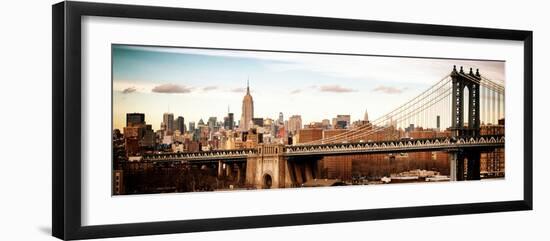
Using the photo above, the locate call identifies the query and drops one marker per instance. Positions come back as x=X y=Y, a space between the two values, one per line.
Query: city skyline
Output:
x=158 y=80
x=306 y=120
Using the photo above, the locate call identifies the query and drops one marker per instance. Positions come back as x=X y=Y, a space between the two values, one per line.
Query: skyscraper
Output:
x=341 y=121
x=228 y=121
x=280 y=120
x=212 y=122
x=134 y=131
x=168 y=120
x=294 y=123
x=135 y=119
x=247 y=111
x=191 y=126
x=180 y=124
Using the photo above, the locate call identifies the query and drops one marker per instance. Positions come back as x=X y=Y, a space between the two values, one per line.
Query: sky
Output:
x=200 y=83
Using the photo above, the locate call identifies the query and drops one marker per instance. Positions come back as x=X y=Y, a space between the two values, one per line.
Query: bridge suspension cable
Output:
x=429 y=109
x=381 y=123
x=492 y=99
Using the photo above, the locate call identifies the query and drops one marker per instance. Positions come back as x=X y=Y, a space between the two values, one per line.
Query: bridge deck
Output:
x=396 y=146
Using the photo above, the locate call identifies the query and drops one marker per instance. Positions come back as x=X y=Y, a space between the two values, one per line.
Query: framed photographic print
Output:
x=170 y=120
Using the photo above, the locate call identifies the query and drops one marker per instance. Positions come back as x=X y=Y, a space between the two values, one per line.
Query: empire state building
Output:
x=248 y=110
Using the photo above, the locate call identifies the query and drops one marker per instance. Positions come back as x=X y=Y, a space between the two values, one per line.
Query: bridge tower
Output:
x=266 y=169
x=465 y=128
x=270 y=168
x=460 y=82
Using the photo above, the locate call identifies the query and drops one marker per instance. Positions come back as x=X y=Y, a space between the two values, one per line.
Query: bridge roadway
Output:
x=379 y=147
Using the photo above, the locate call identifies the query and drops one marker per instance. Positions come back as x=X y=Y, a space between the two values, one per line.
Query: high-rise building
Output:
x=341 y=121
x=366 y=117
x=212 y=122
x=168 y=120
x=258 y=121
x=149 y=139
x=135 y=119
x=132 y=135
x=247 y=110
x=134 y=131
x=326 y=123
x=294 y=123
x=180 y=124
x=280 y=120
x=228 y=121
x=340 y=124
x=191 y=126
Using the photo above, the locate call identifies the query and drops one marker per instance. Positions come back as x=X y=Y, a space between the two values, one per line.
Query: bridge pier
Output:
x=301 y=170
x=453 y=166
x=474 y=166
x=271 y=165
x=220 y=169
x=460 y=167
x=228 y=171
x=465 y=122
x=267 y=168
x=298 y=178
x=308 y=171
x=456 y=165
x=239 y=173
x=289 y=175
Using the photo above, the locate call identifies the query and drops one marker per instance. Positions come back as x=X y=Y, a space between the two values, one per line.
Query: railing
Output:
x=405 y=145
x=444 y=143
x=221 y=154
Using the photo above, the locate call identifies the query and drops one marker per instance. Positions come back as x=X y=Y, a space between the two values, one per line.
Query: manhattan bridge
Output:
x=458 y=103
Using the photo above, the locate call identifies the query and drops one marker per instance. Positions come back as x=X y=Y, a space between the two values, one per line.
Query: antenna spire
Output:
x=247 y=86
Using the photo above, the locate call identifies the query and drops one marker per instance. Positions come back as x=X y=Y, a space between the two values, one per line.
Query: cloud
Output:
x=296 y=91
x=171 y=89
x=238 y=90
x=129 y=90
x=335 y=88
x=209 y=88
x=414 y=70
x=388 y=90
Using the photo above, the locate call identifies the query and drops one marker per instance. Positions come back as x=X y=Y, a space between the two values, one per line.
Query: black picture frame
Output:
x=67 y=135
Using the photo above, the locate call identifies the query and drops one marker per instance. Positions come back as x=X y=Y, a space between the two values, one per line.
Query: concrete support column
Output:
x=220 y=169
x=251 y=171
x=473 y=172
x=239 y=173
x=308 y=172
x=290 y=178
x=228 y=172
x=298 y=173
x=460 y=167
x=453 y=166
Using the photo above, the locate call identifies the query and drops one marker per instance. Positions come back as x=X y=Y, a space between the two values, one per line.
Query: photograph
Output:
x=191 y=119
x=274 y=120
